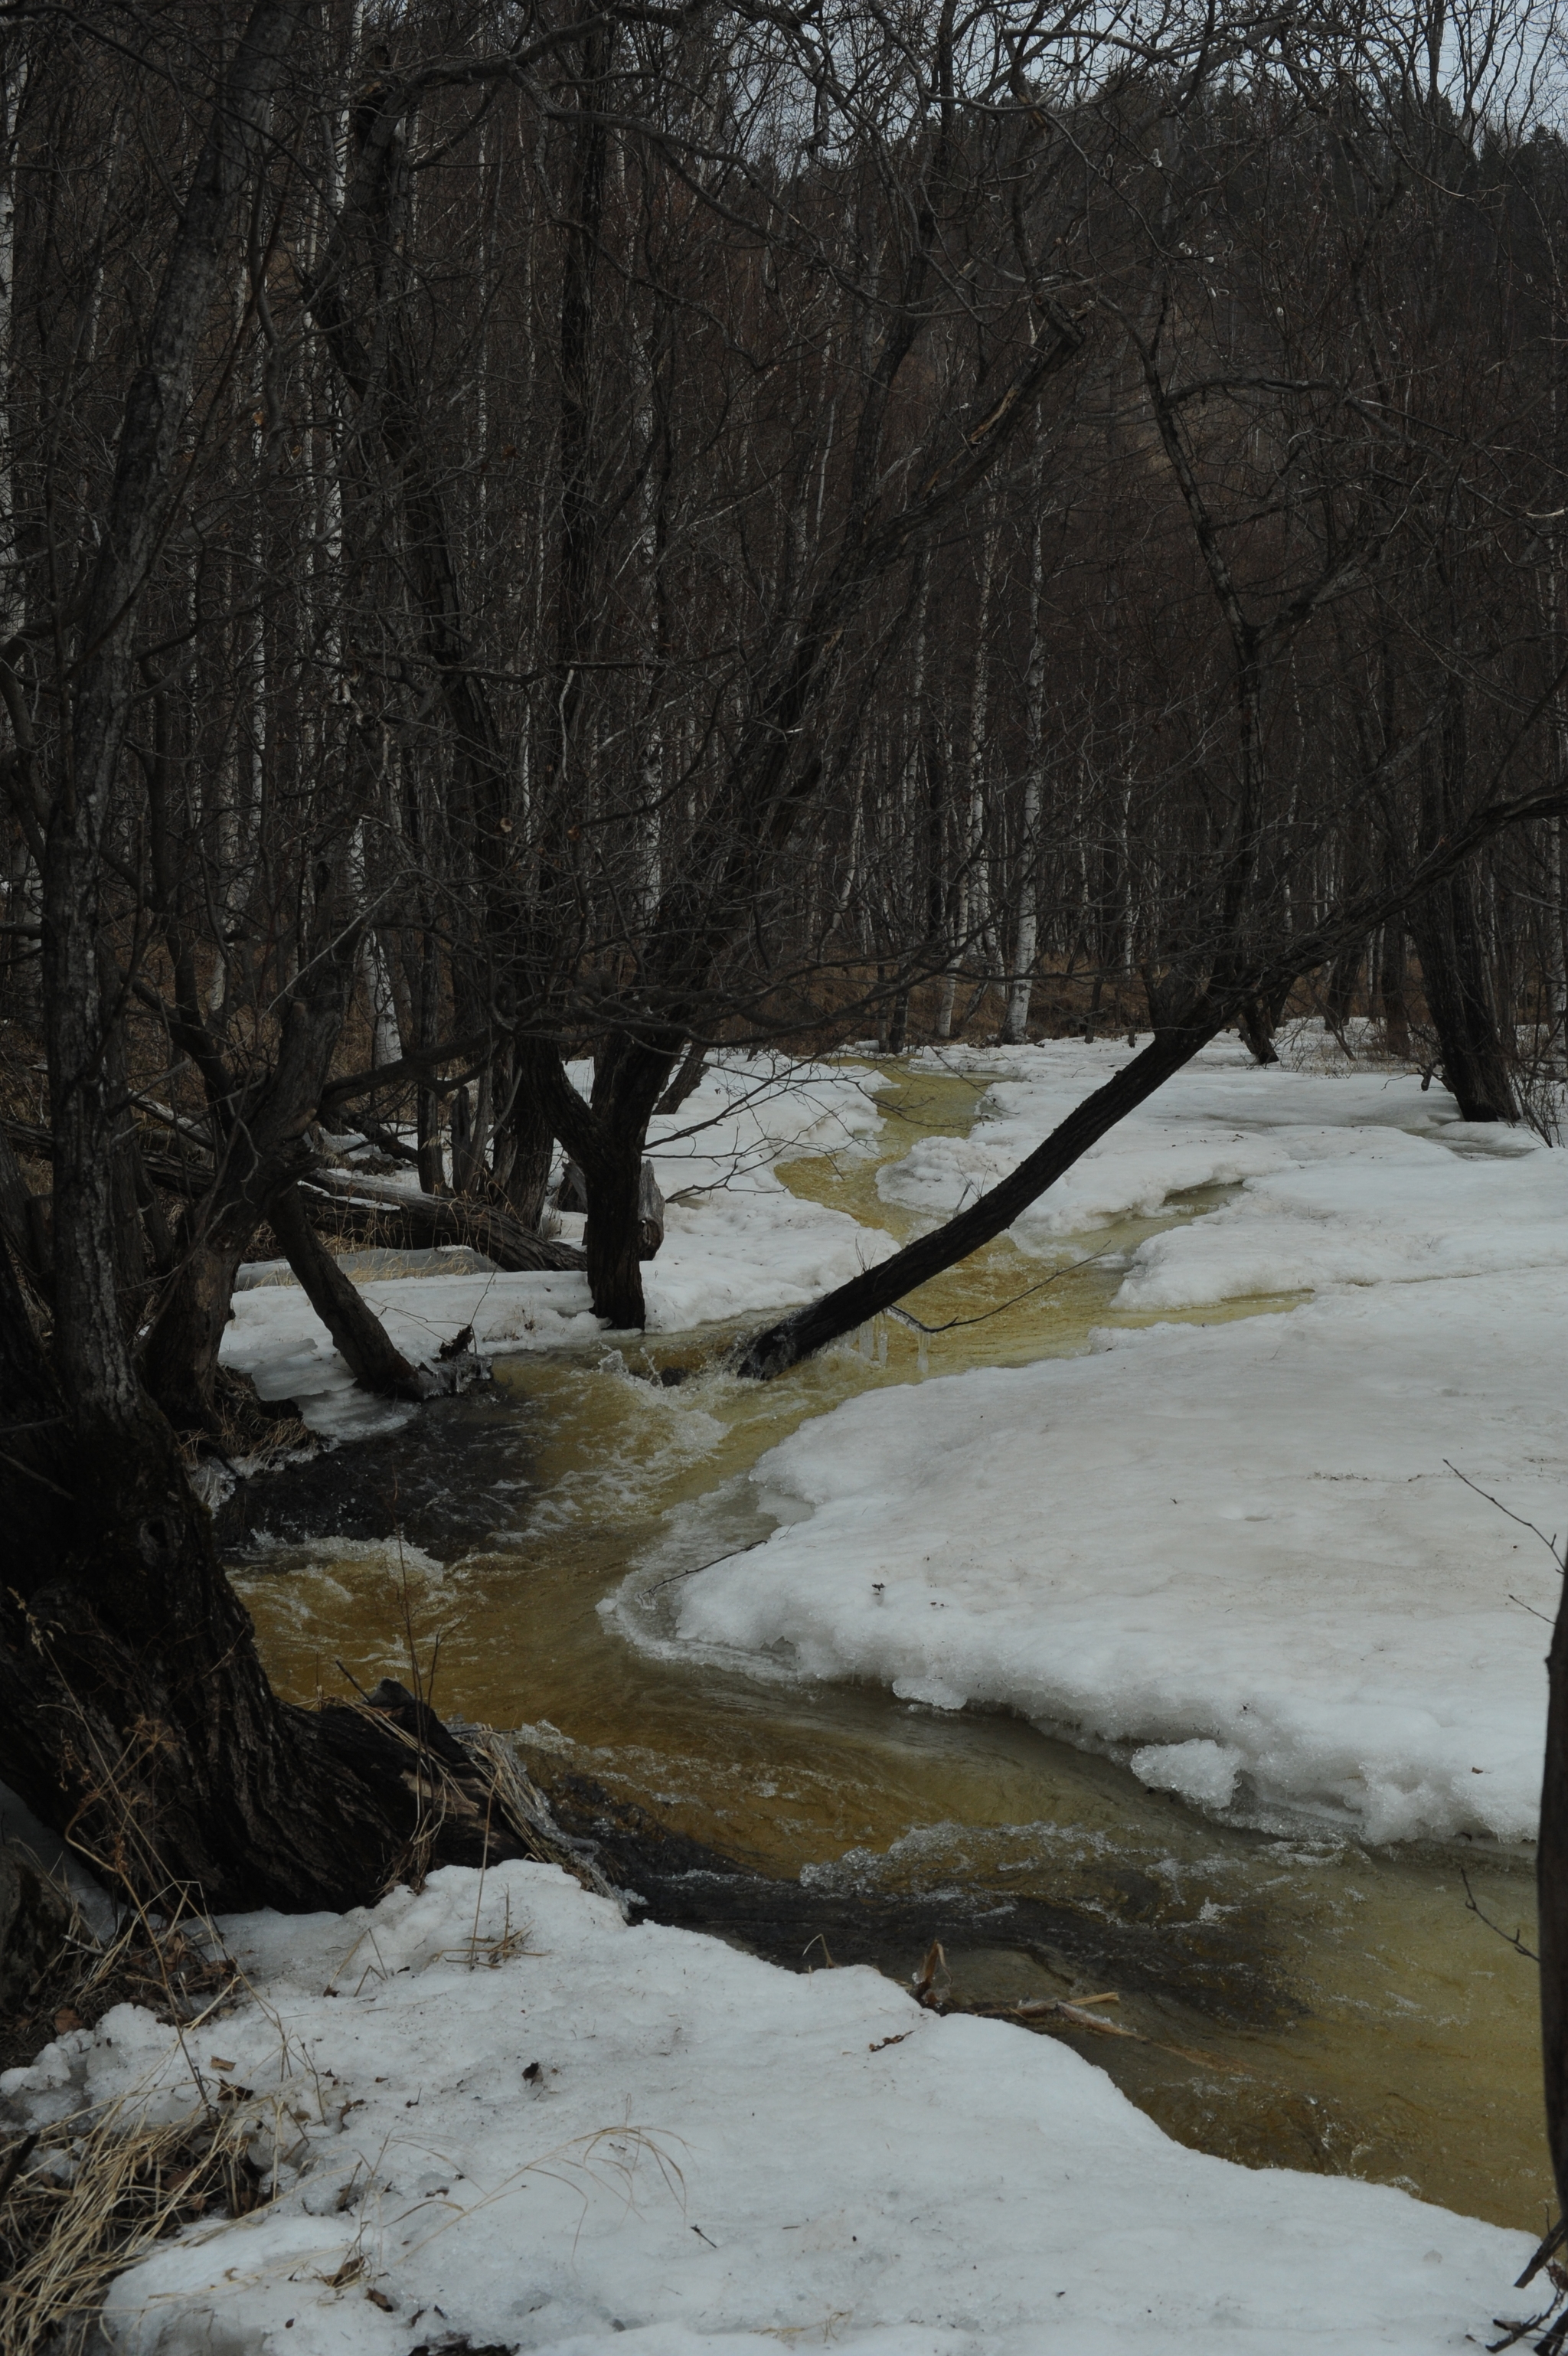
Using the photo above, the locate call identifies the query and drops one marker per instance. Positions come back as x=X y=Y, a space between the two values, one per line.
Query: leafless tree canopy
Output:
x=526 y=535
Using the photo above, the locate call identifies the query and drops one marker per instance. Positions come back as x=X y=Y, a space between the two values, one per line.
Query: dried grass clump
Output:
x=102 y=2197
x=83 y=2198
x=167 y=1964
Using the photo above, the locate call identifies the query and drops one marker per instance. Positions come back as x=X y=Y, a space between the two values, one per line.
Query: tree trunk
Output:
x=612 y=1239
x=1026 y=919
x=136 y=1718
x=1253 y=1022
x=263 y=1149
x=180 y=1361
x=1344 y=981
x=1551 y=1883
x=532 y=1143
x=358 y=1333
x=605 y=1139
x=1453 y=980
x=807 y=1330
x=688 y=1078
x=1392 y=989
x=1443 y=926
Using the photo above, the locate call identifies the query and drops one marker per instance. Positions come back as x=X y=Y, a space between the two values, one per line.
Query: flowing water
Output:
x=1326 y=2006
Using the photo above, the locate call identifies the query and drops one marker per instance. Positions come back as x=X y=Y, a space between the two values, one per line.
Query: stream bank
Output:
x=1337 y=2006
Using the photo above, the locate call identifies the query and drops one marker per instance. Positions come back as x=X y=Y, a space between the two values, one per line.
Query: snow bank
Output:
x=642 y=2140
x=737 y=1244
x=1370 y=1208
x=1222 y=1120
x=1233 y=1553
x=1234 y=1556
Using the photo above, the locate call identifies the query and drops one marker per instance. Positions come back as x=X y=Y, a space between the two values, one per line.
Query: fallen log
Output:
x=364 y=1210
x=371 y=1209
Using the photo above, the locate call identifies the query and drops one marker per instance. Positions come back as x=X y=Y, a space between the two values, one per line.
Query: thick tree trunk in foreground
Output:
x=1551 y=1881
x=136 y=1717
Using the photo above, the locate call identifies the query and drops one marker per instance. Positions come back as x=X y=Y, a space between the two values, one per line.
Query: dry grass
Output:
x=106 y=2194
x=83 y=2197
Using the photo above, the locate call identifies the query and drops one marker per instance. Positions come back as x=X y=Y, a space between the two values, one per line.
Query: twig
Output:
x=905 y=1316
x=1559 y=1554
x=1513 y=1940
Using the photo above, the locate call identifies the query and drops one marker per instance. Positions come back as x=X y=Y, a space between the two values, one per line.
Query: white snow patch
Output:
x=1235 y=1555
x=1222 y=1121
x=641 y=2139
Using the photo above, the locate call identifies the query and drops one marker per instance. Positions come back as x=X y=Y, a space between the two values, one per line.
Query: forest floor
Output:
x=1242 y=1556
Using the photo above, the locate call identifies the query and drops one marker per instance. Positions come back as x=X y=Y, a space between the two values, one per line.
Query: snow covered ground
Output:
x=501 y=2119
x=1222 y=1120
x=737 y=1244
x=595 y=2137
x=1234 y=1554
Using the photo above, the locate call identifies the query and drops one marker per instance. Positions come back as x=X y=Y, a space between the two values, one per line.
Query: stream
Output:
x=1300 y=2002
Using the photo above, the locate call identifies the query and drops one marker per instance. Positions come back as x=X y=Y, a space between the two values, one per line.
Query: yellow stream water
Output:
x=1411 y=2052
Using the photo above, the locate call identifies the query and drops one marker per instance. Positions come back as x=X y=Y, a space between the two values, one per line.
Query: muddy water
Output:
x=1325 y=2005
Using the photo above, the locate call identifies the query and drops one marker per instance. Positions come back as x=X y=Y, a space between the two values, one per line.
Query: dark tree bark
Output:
x=1256 y=1029
x=687 y=1080
x=22 y=1224
x=1458 y=999
x=136 y=1717
x=605 y=1139
x=358 y=1335
x=263 y=1149
x=1443 y=924
x=1344 y=981
x=1551 y=1883
x=1392 y=992
x=531 y=1144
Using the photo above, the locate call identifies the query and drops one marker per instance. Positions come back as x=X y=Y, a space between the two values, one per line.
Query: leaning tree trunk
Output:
x=1265 y=979
x=358 y=1335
